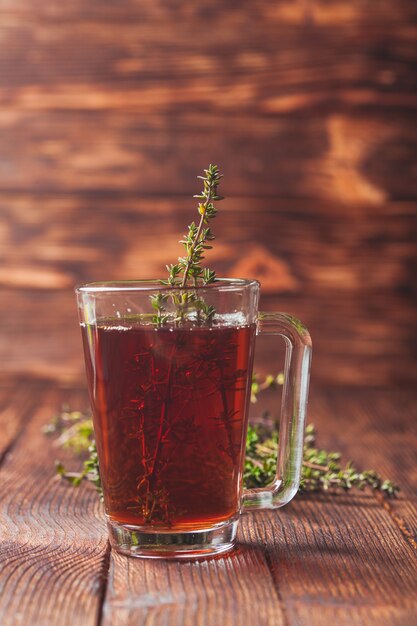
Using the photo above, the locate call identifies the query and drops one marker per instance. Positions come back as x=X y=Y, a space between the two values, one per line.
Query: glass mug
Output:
x=170 y=410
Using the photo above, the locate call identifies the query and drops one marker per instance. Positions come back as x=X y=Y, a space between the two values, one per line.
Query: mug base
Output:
x=143 y=542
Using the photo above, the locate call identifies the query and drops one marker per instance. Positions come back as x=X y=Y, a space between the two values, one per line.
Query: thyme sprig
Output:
x=196 y=241
x=76 y=433
x=321 y=470
x=188 y=271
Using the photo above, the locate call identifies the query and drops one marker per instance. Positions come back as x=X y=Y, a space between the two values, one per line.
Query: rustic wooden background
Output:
x=108 y=110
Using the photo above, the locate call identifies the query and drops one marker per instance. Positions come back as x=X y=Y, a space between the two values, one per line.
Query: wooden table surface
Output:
x=323 y=559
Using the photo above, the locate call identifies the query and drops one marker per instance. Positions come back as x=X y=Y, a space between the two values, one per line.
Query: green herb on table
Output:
x=321 y=470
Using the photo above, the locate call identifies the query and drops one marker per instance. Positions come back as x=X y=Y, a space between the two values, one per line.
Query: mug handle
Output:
x=293 y=411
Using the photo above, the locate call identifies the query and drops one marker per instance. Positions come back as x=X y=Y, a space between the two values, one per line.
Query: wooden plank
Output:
x=60 y=239
x=376 y=428
x=363 y=616
x=53 y=537
x=16 y=404
x=337 y=560
x=232 y=591
x=74 y=152
x=351 y=56
x=7 y=426
x=332 y=154
x=291 y=12
x=377 y=424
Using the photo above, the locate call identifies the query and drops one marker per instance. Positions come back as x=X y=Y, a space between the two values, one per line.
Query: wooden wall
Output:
x=108 y=110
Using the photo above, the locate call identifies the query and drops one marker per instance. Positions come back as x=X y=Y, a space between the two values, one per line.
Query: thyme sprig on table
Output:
x=321 y=470
x=188 y=271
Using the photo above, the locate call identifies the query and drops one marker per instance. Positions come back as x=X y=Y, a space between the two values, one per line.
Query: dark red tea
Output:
x=169 y=416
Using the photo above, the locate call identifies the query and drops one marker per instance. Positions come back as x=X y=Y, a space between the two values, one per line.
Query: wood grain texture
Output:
x=302 y=99
x=237 y=590
x=338 y=157
x=375 y=422
x=292 y=11
x=337 y=560
x=109 y=110
x=323 y=559
x=53 y=539
x=16 y=405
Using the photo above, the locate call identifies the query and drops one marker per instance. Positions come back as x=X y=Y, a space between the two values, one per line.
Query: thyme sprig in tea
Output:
x=188 y=271
x=196 y=241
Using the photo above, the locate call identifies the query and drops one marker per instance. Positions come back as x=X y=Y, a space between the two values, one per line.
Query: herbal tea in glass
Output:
x=169 y=368
x=170 y=410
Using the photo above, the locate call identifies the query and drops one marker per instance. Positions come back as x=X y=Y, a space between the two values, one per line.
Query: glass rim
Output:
x=152 y=284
